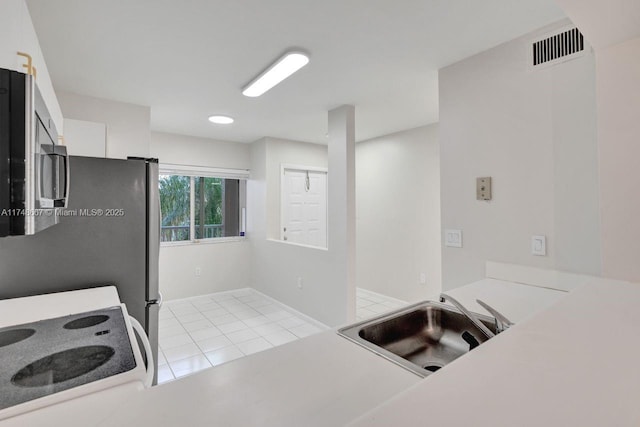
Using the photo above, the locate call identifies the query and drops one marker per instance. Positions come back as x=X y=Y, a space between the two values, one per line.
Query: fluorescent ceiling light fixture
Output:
x=277 y=72
x=221 y=120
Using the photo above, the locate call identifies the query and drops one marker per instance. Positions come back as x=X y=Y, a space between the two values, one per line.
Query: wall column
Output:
x=342 y=202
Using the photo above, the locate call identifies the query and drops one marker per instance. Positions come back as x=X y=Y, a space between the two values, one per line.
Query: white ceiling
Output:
x=605 y=23
x=188 y=59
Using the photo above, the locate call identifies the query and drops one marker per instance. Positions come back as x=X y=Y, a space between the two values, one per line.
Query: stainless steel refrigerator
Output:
x=109 y=234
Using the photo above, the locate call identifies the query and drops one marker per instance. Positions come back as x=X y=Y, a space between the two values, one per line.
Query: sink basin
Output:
x=422 y=337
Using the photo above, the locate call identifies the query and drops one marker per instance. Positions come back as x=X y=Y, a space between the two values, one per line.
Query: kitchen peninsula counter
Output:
x=550 y=369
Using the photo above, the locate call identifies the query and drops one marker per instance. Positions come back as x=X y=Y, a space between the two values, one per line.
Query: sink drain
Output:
x=432 y=368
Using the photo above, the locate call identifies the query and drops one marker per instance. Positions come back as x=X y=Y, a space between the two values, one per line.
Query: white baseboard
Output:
x=399 y=301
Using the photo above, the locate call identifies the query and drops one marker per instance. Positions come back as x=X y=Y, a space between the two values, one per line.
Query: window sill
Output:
x=302 y=245
x=203 y=241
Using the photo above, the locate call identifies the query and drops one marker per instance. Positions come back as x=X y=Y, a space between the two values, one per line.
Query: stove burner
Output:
x=86 y=322
x=15 y=335
x=63 y=366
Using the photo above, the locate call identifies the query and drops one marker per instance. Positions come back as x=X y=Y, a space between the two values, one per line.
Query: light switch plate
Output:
x=453 y=238
x=483 y=188
x=538 y=245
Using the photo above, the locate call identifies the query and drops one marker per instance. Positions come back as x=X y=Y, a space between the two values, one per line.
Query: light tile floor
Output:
x=369 y=304
x=198 y=333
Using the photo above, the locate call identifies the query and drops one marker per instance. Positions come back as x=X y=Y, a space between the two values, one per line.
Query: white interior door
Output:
x=304 y=207
x=293 y=223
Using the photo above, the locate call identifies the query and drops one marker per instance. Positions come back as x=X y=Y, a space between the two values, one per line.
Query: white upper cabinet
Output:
x=84 y=138
x=18 y=35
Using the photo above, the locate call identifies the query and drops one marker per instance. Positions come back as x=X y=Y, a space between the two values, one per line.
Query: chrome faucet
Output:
x=502 y=323
x=469 y=315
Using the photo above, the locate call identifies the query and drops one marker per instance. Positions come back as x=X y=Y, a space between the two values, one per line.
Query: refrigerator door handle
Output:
x=157 y=302
x=159 y=221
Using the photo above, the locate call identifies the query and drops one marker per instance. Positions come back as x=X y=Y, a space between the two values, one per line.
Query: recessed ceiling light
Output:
x=277 y=72
x=221 y=120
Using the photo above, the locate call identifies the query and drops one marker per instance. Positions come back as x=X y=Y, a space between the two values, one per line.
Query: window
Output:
x=175 y=205
x=196 y=207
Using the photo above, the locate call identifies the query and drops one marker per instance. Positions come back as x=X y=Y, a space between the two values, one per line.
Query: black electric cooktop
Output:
x=45 y=357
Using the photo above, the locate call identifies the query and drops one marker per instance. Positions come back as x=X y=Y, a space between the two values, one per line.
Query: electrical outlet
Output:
x=300 y=283
x=423 y=278
x=198 y=272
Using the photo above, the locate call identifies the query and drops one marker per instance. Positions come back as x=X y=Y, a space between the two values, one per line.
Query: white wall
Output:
x=223 y=265
x=613 y=27
x=577 y=245
x=398 y=214
x=17 y=34
x=276 y=265
x=618 y=88
x=128 y=125
x=534 y=132
x=190 y=150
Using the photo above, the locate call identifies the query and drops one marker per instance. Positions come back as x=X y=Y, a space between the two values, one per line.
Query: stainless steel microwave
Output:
x=34 y=167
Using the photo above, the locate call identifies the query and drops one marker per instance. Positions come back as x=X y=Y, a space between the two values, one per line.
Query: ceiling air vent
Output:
x=559 y=47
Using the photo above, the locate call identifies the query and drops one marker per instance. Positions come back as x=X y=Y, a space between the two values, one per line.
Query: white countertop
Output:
x=546 y=370
x=516 y=301
x=320 y=380
x=575 y=364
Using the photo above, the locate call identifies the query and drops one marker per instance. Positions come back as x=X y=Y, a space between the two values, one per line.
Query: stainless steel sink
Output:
x=422 y=337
